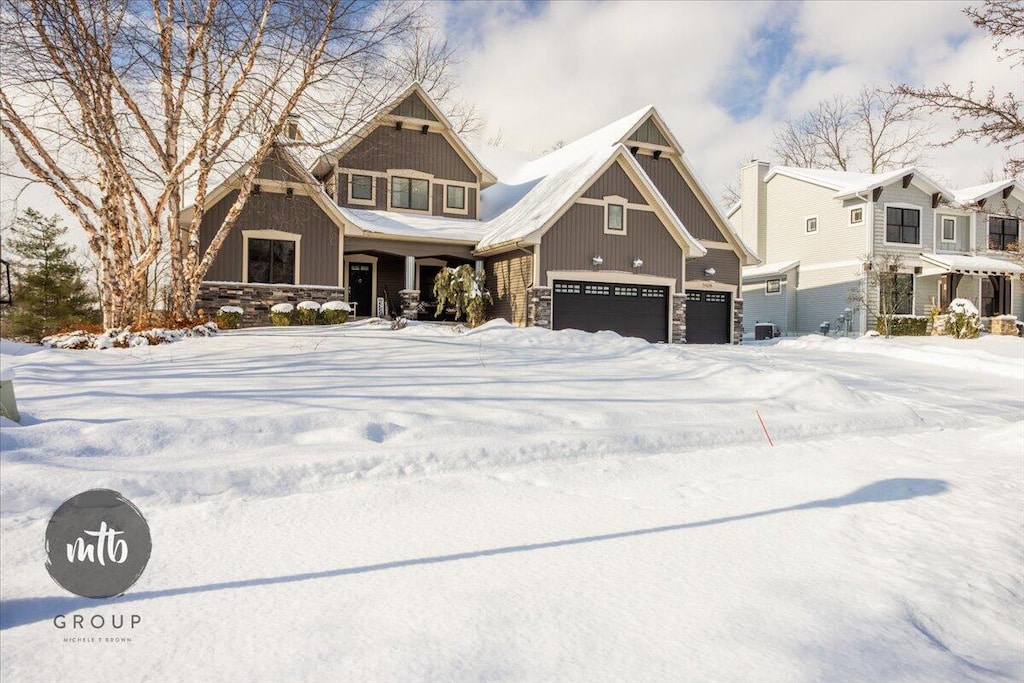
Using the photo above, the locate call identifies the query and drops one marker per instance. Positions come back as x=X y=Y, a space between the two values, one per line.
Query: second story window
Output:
x=616 y=221
x=949 y=230
x=811 y=225
x=902 y=226
x=455 y=197
x=1003 y=232
x=410 y=193
x=362 y=187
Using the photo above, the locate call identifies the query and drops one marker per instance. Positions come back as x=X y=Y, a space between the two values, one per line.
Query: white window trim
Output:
x=942 y=229
x=862 y=212
x=920 y=225
x=393 y=173
x=427 y=262
x=817 y=225
x=774 y=279
x=270 y=235
x=372 y=201
x=618 y=201
x=464 y=211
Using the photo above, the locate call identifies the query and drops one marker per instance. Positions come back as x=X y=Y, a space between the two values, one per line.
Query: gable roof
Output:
x=325 y=162
x=971 y=195
x=544 y=189
x=848 y=184
x=285 y=149
x=618 y=132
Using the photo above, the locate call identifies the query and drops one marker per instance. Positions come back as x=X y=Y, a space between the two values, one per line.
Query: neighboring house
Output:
x=816 y=231
x=611 y=232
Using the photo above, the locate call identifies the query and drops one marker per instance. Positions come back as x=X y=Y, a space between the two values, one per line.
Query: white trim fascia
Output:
x=279 y=235
x=829 y=265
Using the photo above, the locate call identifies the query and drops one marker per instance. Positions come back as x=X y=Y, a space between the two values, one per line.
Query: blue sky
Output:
x=722 y=74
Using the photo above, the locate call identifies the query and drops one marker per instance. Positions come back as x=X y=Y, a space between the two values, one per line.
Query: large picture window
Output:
x=271 y=261
x=1002 y=232
x=410 y=193
x=897 y=294
x=902 y=226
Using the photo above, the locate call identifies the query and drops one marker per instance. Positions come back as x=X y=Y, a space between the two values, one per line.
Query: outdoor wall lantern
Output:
x=638 y=263
x=597 y=260
x=709 y=272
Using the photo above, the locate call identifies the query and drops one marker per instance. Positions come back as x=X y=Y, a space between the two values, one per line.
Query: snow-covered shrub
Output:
x=308 y=312
x=281 y=314
x=463 y=289
x=123 y=338
x=229 y=317
x=964 y=321
x=399 y=323
x=335 y=312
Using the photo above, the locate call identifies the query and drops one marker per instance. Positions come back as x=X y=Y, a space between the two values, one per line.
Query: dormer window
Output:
x=410 y=193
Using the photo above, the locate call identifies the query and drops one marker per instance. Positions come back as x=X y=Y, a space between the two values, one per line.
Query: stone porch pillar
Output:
x=538 y=313
x=410 y=303
x=679 y=318
x=737 y=321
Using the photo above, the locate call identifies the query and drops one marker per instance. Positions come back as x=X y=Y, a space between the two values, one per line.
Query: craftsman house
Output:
x=816 y=230
x=610 y=232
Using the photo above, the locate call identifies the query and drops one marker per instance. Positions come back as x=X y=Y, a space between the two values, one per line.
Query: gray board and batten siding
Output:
x=319 y=246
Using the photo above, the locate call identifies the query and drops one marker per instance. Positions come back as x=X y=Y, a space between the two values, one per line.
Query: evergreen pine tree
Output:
x=48 y=290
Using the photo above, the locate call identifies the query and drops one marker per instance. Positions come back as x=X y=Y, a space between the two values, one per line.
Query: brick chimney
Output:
x=292 y=131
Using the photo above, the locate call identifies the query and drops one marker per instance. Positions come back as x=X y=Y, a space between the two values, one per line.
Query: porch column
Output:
x=410 y=272
x=410 y=295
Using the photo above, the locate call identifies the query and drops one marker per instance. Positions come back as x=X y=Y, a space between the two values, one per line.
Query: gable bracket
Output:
x=906 y=180
x=935 y=200
x=876 y=193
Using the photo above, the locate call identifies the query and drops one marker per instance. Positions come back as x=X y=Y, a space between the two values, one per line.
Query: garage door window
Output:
x=566 y=288
x=626 y=291
x=652 y=292
x=597 y=290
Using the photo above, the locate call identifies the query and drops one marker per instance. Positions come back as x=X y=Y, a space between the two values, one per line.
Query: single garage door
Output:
x=631 y=310
x=707 y=317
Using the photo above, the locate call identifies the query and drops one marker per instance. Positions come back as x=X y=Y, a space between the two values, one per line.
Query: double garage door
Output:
x=637 y=311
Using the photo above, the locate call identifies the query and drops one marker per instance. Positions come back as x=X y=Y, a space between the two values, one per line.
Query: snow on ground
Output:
x=353 y=503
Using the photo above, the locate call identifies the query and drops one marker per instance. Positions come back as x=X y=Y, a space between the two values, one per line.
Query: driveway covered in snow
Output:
x=526 y=504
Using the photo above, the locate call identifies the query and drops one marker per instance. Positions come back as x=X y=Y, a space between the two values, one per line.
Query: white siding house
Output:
x=816 y=231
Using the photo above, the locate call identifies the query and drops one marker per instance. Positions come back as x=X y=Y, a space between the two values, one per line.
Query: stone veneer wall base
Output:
x=737 y=321
x=539 y=307
x=255 y=300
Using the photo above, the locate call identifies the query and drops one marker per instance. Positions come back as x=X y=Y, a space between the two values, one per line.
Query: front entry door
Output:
x=360 y=287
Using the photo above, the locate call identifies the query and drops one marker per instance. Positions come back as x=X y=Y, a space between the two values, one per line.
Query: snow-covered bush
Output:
x=308 y=312
x=122 y=338
x=229 y=317
x=964 y=321
x=281 y=314
x=335 y=312
x=463 y=289
x=399 y=323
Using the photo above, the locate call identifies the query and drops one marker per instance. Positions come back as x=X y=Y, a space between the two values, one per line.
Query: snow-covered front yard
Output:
x=352 y=503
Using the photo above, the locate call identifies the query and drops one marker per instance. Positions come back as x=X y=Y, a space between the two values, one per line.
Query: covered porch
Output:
x=389 y=278
x=993 y=285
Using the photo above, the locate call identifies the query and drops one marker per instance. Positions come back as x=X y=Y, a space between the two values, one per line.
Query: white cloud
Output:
x=569 y=68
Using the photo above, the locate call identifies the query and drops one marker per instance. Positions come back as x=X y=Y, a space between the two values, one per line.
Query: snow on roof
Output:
x=969 y=195
x=849 y=183
x=769 y=269
x=411 y=225
x=982 y=265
